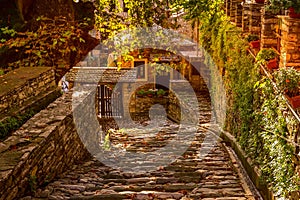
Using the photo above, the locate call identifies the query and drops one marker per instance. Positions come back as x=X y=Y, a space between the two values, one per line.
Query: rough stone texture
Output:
x=269 y=21
x=290 y=42
x=16 y=97
x=245 y=17
x=238 y=13
x=233 y=10
x=227 y=8
x=143 y=104
x=188 y=177
x=41 y=149
x=255 y=18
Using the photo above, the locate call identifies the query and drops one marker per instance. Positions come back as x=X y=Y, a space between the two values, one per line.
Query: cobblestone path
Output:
x=216 y=176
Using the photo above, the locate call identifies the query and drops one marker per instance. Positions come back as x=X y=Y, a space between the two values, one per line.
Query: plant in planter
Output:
x=267 y=57
x=259 y=1
x=161 y=93
x=292 y=5
x=151 y=93
x=141 y=93
x=287 y=80
x=253 y=40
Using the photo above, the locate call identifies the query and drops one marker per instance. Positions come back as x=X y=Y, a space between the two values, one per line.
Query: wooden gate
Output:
x=109 y=102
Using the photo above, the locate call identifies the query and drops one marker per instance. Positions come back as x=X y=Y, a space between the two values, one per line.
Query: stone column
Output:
x=290 y=42
x=269 y=21
x=232 y=10
x=238 y=13
x=255 y=18
x=227 y=7
x=245 y=17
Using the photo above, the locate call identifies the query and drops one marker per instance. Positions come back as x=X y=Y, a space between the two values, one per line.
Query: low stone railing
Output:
x=25 y=90
x=44 y=147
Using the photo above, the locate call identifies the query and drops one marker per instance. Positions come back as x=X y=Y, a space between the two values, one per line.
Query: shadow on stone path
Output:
x=213 y=177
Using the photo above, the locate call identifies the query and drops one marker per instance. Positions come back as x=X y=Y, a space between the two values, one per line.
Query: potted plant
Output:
x=267 y=57
x=259 y=1
x=161 y=93
x=292 y=5
x=253 y=40
x=141 y=93
x=287 y=80
x=150 y=93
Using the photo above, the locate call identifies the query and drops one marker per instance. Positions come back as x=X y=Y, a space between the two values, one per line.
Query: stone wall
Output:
x=269 y=22
x=255 y=18
x=290 y=42
x=16 y=97
x=143 y=104
x=245 y=17
x=238 y=13
x=41 y=149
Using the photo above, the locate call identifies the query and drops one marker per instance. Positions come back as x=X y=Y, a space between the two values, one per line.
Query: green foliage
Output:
x=266 y=54
x=11 y=124
x=277 y=168
x=32 y=183
x=6 y=33
x=106 y=143
x=288 y=80
x=111 y=17
x=161 y=92
x=252 y=37
x=141 y=92
x=108 y=20
x=254 y=110
x=55 y=42
x=278 y=5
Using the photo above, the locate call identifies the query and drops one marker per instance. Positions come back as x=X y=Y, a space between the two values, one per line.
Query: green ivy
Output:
x=12 y=123
x=254 y=110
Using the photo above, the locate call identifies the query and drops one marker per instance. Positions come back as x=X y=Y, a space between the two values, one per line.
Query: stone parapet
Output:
x=245 y=17
x=227 y=7
x=290 y=42
x=269 y=22
x=16 y=96
x=44 y=147
x=238 y=13
x=255 y=18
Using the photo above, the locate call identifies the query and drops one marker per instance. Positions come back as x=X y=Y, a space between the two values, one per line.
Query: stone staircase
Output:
x=214 y=176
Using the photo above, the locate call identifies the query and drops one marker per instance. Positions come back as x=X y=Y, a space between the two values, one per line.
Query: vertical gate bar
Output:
x=102 y=101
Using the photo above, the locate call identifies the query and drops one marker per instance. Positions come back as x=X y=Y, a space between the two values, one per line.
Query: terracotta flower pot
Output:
x=292 y=13
x=259 y=1
x=272 y=64
x=294 y=101
x=255 y=44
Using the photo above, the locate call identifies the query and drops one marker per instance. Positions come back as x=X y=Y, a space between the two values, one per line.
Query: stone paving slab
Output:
x=187 y=178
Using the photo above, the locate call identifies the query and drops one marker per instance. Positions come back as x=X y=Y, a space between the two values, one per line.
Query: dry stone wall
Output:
x=290 y=42
x=31 y=88
x=41 y=149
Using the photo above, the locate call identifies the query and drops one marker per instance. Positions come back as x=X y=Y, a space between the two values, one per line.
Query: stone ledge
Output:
x=24 y=83
x=44 y=147
x=251 y=169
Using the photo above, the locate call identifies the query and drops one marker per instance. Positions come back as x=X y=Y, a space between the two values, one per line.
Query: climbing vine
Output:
x=254 y=110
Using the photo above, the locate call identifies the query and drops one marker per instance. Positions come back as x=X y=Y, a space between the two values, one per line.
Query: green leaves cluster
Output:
x=53 y=43
x=12 y=123
x=255 y=112
x=112 y=17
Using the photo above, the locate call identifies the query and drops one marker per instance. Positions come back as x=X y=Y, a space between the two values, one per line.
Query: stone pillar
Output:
x=290 y=42
x=255 y=18
x=238 y=13
x=269 y=22
x=232 y=10
x=245 y=17
x=227 y=7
